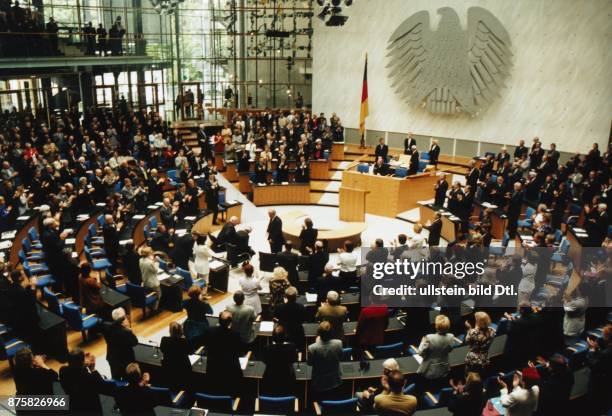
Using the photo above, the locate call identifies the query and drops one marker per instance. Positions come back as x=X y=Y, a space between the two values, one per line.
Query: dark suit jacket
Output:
x=308 y=238
x=435 y=229
x=291 y=316
x=279 y=375
x=181 y=253
x=227 y=234
x=381 y=150
x=83 y=388
x=111 y=242
x=408 y=143
x=120 y=343
x=316 y=265
x=289 y=261
x=471 y=178
x=441 y=193
x=275 y=230
x=34 y=380
x=136 y=401
x=414 y=163
x=434 y=154
x=223 y=364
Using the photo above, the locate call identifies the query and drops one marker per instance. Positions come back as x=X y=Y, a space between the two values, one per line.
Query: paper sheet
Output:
x=9 y=234
x=70 y=241
x=244 y=361
x=311 y=297
x=124 y=242
x=22 y=218
x=193 y=358
x=266 y=326
x=138 y=216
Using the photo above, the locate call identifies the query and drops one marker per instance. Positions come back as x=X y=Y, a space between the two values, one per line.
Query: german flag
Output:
x=363 y=113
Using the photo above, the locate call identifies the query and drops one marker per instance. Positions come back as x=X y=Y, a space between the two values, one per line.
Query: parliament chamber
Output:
x=305 y=208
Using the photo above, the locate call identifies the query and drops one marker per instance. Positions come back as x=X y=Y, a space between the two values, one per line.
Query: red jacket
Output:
x=371 y=325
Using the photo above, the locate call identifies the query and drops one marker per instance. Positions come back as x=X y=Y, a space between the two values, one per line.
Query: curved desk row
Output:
x=281 y=194
x=335 y=237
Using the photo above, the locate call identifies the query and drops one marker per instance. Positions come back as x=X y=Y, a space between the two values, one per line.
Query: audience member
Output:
x=175 y=362
x=324 y=356
x=120 y=343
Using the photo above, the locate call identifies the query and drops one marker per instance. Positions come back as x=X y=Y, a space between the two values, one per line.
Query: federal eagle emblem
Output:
x=450 y=70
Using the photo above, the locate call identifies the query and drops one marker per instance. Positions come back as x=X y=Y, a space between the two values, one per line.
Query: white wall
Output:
x=559 y=89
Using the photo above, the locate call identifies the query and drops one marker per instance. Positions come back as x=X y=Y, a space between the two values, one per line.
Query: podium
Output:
x=352 y=204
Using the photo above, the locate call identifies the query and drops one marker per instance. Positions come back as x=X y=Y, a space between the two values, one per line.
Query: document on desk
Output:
x=9 y=234
x=418 y=358
x=124 y=242
x=311 y=297
x=101 y=204
x=190 y=218
x=138 y=217
x=162 y=276
x=266 y=326
x=244 y=361
x=6 y=244
x=70 y=241
x=180 y=232
x=216 y=264
x=194 y=358
x=22 y=218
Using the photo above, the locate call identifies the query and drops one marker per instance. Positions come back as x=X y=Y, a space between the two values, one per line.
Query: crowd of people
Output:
x=116 y=157
x=23 y=32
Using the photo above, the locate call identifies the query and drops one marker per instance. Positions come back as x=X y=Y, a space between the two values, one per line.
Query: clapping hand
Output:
x=502 y=383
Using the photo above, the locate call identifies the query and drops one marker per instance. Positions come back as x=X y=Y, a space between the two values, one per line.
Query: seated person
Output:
x=380 y=167
x=395 y=402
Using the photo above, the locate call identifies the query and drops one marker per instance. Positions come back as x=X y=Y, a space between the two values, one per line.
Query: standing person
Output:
x=289 y=260
x=435 y=230
x=278 y=284
x=441 y=187
x=434 y=153
x=21 y=294
x=211 y=193
x=600 y=363
x=111 y=240
x=120 y=343
x=101 y=32
x=347 y=262
x=308 y=237
x=250 y=286
x=52 y=30
x=31 y=374
x=556 y=385
x=467 y=399
x=478 y=340
x=136 y=399
x=223 y=363
x=393 y=401
x=279 y=357
x=90 y=291
x=82 y=382
x=175 y=361
x=148 y=271
x=197 y=308
x=202 y=254
x=371 y=325
x=324 y=356
x=434 y=349
x=317 y=262
x=291 y=315
x=275 y=232
x=523 y=400
x=243 y=317
x=515 y=200
x=334 y=313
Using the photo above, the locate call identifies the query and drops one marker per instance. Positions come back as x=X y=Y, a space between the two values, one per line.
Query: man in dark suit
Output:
x=514 y=208
x=291 y=315
x=53 y=244
x=183 y=249
x=316 y=262
x=434 y=153
x=553 y=156
x=168 y=213
x=441 y=188
x=435 y=229
x=204 y=143
x=155 y=187
x=521 y=150
x=211 y=189
x=327 y=282
x=82 y=382
x=120 y=343
x=228 y=232
x=275 y=232
x=223 y=347
x=21 y=297
x=409 y=141
x=163 y=239
x=110 y=231
x=242 y=241
x=471 y=178
x=382 y=150
x=136 y=398
x=414 y=161
x=288 y=260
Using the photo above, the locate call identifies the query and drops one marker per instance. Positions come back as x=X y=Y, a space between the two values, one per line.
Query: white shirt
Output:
x=250 y=286
x=521 y=402
x=250 y=147
x=347 y=262
x=527 y=283
x=202 y=254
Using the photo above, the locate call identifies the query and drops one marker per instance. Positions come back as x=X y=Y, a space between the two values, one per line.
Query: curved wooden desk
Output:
x=292 y=227
x=279 y=194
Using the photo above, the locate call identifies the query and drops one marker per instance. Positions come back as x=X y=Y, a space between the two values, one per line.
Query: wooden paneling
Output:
x=281 y=194
x=231 y=172
x=388 y=195
x=352 y=204
x=244 y=183
x=337 y=152
x=319 y=169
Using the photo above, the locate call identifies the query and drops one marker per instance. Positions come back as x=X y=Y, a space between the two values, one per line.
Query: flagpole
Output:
x=364 y=98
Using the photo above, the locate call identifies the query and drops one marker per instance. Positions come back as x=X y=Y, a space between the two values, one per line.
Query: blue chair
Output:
x=422 y=166
x=558 y=236
x=347 y=354
x=101 y=220
x=188 y=280
x=410 y=389
x=577 y=354
x=437 y=399
x=153 y=223
x=499 y=250
x=97 y=264
x=164 y=395
x=217 y=403
x=147 y=232
x=401 y=172
x=118 y=186
x=140 y=297
x=336 y=407
x=92 y=231
x=424 y=156
x=10 y=347
x=34 y=238
x=560 y=255
x=171 y=174
x=527 y=222
x=43 y=278
x=79 y=321
x=273 y=405
x=31 y=253
x=53 y=302
x=389 y=350
x=363 y=168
